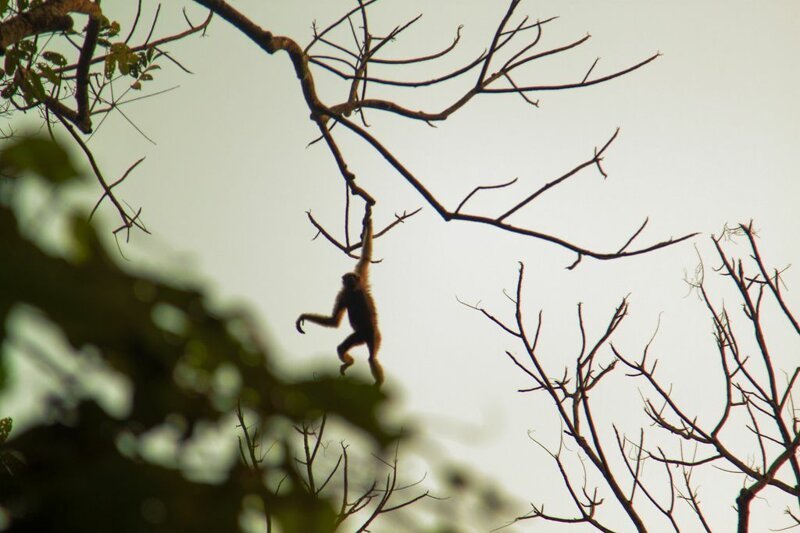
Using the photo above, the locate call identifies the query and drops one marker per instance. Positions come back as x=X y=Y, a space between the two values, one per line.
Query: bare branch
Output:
x=550 y=185
x=483 y=188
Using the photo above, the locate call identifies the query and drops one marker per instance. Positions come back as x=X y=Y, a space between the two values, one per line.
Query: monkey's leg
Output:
x=374 y=366
x=377 y=371
x=354 y=339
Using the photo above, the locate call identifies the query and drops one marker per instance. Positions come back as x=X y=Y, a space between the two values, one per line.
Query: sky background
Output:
x=709 y=136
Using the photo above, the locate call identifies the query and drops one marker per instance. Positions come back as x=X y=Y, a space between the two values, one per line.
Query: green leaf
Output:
x=3 y=6
x=8 y=91
x=110 y=66
x=51 y=75
x=40 y=156
x=37 y=86
x=27 y=48
x=32 y=88
x=54 y=58
x=123 y=58
x=5 y=429
x=27 y=94
x=11 y=62
x=113 y=29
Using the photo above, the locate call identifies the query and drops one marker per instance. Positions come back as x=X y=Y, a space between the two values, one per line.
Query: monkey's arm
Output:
x=332 y=321
x=362 y=268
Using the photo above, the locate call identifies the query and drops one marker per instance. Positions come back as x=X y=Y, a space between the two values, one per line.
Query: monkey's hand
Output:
x=299 y=324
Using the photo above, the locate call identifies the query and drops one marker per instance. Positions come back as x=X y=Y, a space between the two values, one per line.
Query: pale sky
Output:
x=709 y=135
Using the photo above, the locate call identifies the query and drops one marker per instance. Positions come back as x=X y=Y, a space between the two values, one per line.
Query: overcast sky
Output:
x=709 y=135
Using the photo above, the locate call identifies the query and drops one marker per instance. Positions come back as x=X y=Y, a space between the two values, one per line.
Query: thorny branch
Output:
x=570 y=396
x=751 y=390
x=511 y=47
x=757 y=407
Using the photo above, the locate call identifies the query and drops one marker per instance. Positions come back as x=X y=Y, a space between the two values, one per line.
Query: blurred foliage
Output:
x=39 y=156
x=69 y=471
x=187 y=366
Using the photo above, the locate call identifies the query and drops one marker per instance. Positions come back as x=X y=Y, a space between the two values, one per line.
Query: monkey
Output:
x=355 y=298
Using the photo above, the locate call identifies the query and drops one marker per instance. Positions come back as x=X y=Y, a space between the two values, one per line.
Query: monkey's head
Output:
x=351 y=280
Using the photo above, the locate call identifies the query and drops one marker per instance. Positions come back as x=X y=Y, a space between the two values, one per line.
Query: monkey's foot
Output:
x=344 y=367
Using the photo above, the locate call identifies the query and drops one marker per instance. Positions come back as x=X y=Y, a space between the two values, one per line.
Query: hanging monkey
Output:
x=355 y=298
